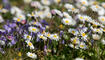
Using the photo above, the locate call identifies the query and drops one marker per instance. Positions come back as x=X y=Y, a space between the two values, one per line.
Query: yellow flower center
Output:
x=31 y=54
x=14 y=59
x=58 y=1
x=41 y=36
x=19 y=54
x=61 y=26
x=43 y=32
x=73 y=32
x=32 y=14
x=83 y=34
x=86 y=18
x=73 y=8
x=48 y=34
x=74 y=41
x=33 y=29
x=40 y=13
x=97 y=6
x=18 y=20
x=66 y=21
x=83 y=2
x=81 y=17
x=30 y=44
x=55 y=36
x=98 y=30
x=28 y=36
x=104 y=6
x=102 y=19
x=104 y=30
x=81 y=46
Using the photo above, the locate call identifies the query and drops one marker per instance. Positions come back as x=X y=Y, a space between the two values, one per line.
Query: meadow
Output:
x=52 y=29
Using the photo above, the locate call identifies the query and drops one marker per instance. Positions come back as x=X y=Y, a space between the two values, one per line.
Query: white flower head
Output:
x=82 y=45
x=73 y=31
x=33 y=29
x=57 y=1
x=27 y=1
x=30 y=44
x=58 y=12
x=84 y=2
x=103 y=41
x=41 y=36
x=55 y=37
x=103 y=4
x=27 y=37
x=102 y=19
x=32 y=55
x=46 y=2
x=75 y=40
x=68 y=21
x=96 y=36
x=79 y=59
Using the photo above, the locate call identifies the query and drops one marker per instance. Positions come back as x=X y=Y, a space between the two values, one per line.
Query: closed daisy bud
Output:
x=19 y=54
x=96 y=36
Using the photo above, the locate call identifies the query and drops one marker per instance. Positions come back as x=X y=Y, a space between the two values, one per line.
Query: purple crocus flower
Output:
x=61 y=33
x=63 y=41
x=13 y=42
x=12 y=25
x=44 y=22
x=7 y=28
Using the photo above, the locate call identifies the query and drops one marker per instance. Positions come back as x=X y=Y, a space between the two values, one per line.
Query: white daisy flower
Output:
x=103 y=42
x=81 y=18
x=71 y=8
x=27 y=1
x=102 y=19
x=66 y=15
x=19 y=18
x=27 y=37
x=42 y=36
x=103 y=4
x=95 y=7
x=33 y=29
x=36 y=4
x=79 y=59
x=32 y=55
x=55 y=37
x=73 y=31
x=58 y=12
x=84 y=2
x=30 y=44
x=84 y=35
x=82 y=45
x=57 y=1
x=99 y=30
x=48 y=14
x=68 y=21
x=40 y=14
x=47 y=34
x=46 y=2
x=75 y=40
